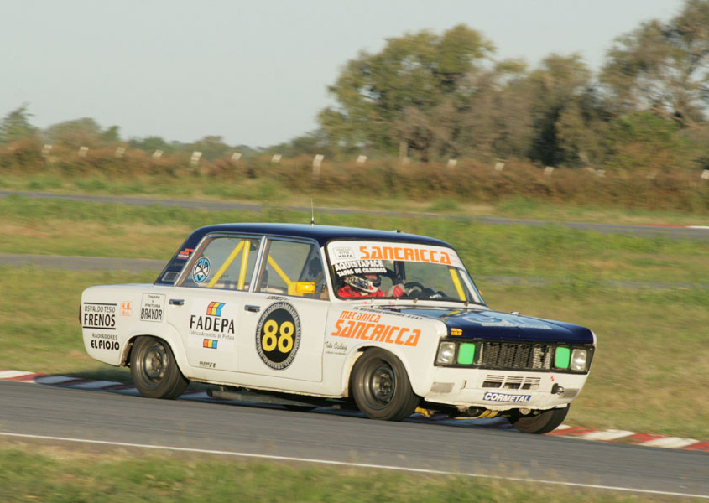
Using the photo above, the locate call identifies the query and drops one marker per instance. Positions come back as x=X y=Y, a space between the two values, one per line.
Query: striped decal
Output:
x=215 y=308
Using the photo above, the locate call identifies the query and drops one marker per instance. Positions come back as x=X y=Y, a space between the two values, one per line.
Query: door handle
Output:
x=177 y=302
x=252 y=309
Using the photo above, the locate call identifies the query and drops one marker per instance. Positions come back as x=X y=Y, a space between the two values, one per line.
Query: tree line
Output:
x=435 y=97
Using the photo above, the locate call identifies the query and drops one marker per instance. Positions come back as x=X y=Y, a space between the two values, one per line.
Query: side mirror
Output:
x=301 y=288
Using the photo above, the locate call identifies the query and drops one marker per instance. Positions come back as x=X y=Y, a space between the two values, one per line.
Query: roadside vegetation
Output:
x=470 y=188
x=58 y=473
x=112 y=230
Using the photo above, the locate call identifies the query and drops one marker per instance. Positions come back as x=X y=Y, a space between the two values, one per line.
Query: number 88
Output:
x=285 y=339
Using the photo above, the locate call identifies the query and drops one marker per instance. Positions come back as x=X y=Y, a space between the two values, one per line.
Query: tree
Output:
x=152 y=143
x=111 y=135
x=84 y=132
x=211 y=147
x=397 y=94
x=663 y=67
x=16 y=125
x=644 y=141
x=560 y=82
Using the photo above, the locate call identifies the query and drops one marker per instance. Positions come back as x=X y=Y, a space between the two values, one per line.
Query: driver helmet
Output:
x=366 y=282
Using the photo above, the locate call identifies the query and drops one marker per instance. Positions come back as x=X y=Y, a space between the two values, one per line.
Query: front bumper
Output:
x=503 y=390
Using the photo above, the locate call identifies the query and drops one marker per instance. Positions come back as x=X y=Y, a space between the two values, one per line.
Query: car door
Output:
x=283 y=332
x=207 y=304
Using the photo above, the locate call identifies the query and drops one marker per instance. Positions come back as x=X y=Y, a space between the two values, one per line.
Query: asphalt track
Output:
x=322 y=437
x=698 y=232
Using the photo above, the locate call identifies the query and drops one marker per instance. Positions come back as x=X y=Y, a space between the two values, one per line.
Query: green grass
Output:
x=649 y=373
x=265 y=190
x=61 y=474
x=93 y=229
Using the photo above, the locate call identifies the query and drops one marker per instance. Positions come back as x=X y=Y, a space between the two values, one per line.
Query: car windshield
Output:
x=399 y=270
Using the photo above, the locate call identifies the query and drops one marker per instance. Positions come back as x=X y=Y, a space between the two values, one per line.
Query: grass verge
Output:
x=648 y=373
x=266 y=190
x=104 y=230
x=59 y=474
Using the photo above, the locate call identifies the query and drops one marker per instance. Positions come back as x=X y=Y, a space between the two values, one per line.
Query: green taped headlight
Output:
x=562 y=358
x=466 y=353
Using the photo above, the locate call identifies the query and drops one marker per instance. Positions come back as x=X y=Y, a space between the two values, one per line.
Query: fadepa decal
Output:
x=212 y=325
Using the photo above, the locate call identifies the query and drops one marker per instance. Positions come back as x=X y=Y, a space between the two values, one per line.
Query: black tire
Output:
x=380 y=386
x=544 y=422
x=154 y=370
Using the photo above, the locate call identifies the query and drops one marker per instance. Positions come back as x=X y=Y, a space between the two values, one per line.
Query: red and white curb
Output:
x=680 y=226
x=609 y=435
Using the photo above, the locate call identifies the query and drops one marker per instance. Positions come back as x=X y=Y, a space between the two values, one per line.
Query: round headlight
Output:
x=446 y=353
x=578 y=360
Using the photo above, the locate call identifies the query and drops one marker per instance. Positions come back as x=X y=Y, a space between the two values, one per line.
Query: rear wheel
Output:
x=380 y=386
x=154 y=370
x=544 y=422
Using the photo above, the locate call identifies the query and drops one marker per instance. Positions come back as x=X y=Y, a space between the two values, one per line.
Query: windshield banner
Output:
x=368 y=256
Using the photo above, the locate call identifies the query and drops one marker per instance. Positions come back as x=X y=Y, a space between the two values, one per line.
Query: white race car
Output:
x=306 y=315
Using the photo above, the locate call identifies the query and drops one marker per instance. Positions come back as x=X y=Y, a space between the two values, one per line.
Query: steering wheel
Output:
x=415 y=290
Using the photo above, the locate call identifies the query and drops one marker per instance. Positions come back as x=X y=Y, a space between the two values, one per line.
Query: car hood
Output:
x=492 y=325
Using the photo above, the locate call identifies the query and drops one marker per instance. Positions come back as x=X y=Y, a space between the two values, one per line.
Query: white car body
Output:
x=281 y=339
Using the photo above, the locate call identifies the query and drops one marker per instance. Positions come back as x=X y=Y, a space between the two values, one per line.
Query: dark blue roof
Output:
x=320 y=233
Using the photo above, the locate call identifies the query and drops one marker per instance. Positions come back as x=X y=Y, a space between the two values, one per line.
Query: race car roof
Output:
x=320 y=233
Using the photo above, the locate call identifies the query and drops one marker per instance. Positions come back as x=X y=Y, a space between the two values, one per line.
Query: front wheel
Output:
x=544 y=422
x=380 y=386
x=154 y=370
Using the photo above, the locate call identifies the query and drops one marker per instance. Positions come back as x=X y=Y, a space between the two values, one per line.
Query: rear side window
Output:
x=225 y=262
x=292 y=268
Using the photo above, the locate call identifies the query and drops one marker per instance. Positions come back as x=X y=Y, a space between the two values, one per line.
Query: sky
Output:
x=254 y=72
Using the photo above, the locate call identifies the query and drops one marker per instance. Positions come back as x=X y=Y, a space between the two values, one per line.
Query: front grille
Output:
x=515 y=356
x=511 y=382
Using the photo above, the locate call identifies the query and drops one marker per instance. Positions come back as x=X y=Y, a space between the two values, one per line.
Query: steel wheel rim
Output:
x=154 y=363
x=381 y=385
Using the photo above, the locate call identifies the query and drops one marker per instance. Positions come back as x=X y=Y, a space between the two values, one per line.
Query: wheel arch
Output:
x=358 y=352
x=170 y=339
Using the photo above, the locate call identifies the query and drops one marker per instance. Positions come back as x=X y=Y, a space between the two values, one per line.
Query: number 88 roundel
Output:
x=278 y=335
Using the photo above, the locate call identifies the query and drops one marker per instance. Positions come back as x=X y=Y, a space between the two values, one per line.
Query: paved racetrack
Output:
x=672 y=232
x=57 y=412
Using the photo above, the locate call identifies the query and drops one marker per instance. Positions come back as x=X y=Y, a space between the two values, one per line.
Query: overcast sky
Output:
x=254 y=72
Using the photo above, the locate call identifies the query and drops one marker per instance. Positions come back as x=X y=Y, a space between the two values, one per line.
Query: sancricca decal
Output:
x=363 y=254
x=370 y=327
x=99 y=315
x=278 y=335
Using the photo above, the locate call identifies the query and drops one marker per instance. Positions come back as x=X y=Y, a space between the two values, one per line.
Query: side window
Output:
x=293 y=268
x=223 y=262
